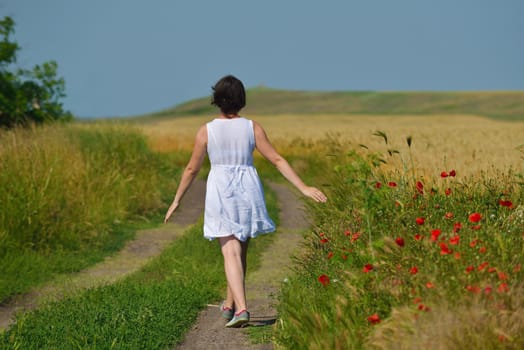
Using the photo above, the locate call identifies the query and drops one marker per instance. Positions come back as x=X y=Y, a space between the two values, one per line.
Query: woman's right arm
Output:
x=191 y=170
x=269 y=152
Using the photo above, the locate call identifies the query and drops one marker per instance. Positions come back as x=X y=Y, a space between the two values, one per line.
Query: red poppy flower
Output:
x=378 y=185
x=470 y=268
x=483 y=266
x=503 y=276
x=413 y=270
x=399 y=241
x=452 y=173
x=473 y=289
x=456 y=227
x=418 y=237
x=392 y=184
x=435 y=234
x=417 y=300
x=444 y=249
x=454 y=240
x=448 y=215
x=503 y=287
x=492 y=269
x=323 y=279
x=447 y=191
x=475 y=227
x=430 y=285
x=347 y=233
x=324 y=240
x=367 y=268
x=473 y=243
x=444 y=174
x=374 y=319
x=457 y=255
x=482 y=249
x=420 y=221
x=419 y=187
x=487 y=290
x=475 y=217
x=506 y=203
x=355 y=236
x=423 y=307
x=344 y=257
x=330 y=255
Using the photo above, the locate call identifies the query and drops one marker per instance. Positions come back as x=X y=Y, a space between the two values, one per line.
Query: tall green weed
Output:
x=392 y=242
x=66 y=189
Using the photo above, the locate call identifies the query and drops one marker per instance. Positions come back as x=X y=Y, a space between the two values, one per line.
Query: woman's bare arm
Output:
x=269 y=152
x=191 y=170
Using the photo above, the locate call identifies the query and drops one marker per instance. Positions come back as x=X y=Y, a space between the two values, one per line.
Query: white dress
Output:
x=235 y=202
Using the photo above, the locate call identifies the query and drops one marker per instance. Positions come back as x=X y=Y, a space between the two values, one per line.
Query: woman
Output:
x=235 y=209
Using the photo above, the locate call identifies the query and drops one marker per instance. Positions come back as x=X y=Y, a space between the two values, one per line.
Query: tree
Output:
x=27 y=96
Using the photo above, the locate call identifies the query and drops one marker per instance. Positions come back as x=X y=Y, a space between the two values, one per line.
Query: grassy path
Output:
x=136 y=253
x=208 y=333
x=262 y=285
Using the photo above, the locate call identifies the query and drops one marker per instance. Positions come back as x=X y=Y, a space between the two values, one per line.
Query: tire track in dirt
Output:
x=262 y=285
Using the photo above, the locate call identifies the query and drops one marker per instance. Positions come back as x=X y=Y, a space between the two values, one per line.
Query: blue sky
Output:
x=128 y=57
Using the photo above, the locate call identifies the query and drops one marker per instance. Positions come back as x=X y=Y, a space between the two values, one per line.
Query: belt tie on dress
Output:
x=235 y=183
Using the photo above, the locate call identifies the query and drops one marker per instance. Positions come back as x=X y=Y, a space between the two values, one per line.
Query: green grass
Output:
x=22 y=270
x=506 y=105
x=123 y=316
x=261 y=335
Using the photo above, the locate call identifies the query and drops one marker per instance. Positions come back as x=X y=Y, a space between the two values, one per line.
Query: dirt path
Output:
x=209 y=332
x=262 y=285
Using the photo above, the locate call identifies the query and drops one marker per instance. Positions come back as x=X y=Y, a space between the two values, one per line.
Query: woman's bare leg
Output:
x=235 y=266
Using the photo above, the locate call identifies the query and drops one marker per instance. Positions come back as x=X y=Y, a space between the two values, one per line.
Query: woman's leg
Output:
x=244 y=246
x=235 y=264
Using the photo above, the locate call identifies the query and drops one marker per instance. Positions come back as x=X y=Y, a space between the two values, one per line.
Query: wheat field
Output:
x=468 y=143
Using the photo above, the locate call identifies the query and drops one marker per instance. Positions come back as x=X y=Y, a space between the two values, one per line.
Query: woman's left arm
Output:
x=191 y=170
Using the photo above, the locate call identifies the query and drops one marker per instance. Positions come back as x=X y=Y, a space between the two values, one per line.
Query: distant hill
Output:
x=508 y=105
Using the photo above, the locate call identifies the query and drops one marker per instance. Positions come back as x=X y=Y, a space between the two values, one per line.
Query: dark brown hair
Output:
x=229 y=95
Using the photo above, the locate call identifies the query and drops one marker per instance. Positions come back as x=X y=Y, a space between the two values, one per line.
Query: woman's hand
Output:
x=315 y=194
x=170 y=211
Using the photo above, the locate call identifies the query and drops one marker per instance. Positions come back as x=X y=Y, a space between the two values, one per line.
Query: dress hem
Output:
x=241 y=237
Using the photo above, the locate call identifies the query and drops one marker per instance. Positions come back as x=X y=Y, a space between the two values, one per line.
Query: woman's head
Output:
x=229 y=95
